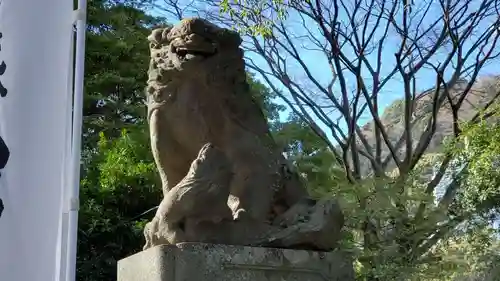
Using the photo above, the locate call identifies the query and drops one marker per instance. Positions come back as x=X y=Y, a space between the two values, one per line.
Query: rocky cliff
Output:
x=482 y=91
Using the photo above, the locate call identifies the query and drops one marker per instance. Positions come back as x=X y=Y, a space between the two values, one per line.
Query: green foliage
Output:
x=374 y=199
x=265 y=99
x=274 y=9
x=119 y=179
x=120 y=184
x=480 y=148
x=469 y=253
x=313 y=159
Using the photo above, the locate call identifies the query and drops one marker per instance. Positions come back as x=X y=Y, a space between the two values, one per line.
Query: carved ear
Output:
x=165 y=32
x=159 y=35
x=155 y=36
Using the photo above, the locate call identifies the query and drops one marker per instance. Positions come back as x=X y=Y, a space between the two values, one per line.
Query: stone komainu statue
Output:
x=224 y=179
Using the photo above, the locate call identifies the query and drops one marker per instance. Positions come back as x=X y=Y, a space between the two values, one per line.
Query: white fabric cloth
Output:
x=35 y=46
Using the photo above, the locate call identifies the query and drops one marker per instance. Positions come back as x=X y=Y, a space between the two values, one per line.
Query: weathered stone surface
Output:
x=208 y=262
x=224 y=179
x=209 y=180
x=196 y=210
x=197 y=94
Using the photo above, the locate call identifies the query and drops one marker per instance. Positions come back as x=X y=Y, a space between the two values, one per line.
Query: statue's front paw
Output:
x=148 y=236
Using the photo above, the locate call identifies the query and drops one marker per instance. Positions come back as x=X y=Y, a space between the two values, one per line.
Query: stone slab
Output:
x=209 y=262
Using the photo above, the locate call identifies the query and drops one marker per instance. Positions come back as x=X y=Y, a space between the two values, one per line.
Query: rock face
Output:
x=483 y=91
x=224 y=180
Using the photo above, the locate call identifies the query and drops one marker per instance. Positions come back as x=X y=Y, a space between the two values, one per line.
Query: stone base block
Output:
x=208 y=262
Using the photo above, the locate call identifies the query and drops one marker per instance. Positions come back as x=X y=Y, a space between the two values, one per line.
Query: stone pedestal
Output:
x=208 y=262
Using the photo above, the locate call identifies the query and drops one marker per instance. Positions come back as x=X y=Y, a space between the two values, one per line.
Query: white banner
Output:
x=34 y=117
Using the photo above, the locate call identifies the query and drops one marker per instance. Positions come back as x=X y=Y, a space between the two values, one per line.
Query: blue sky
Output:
x=318 y=66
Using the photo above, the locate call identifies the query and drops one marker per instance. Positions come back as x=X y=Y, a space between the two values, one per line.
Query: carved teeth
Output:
x=182 y=52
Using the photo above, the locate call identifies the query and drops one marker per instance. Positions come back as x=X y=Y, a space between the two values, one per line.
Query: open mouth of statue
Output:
x=188 y=54
x=193 y=46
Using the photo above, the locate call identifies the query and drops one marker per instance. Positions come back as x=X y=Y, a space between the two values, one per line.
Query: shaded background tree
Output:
x=118 y=177
x=116 y=63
